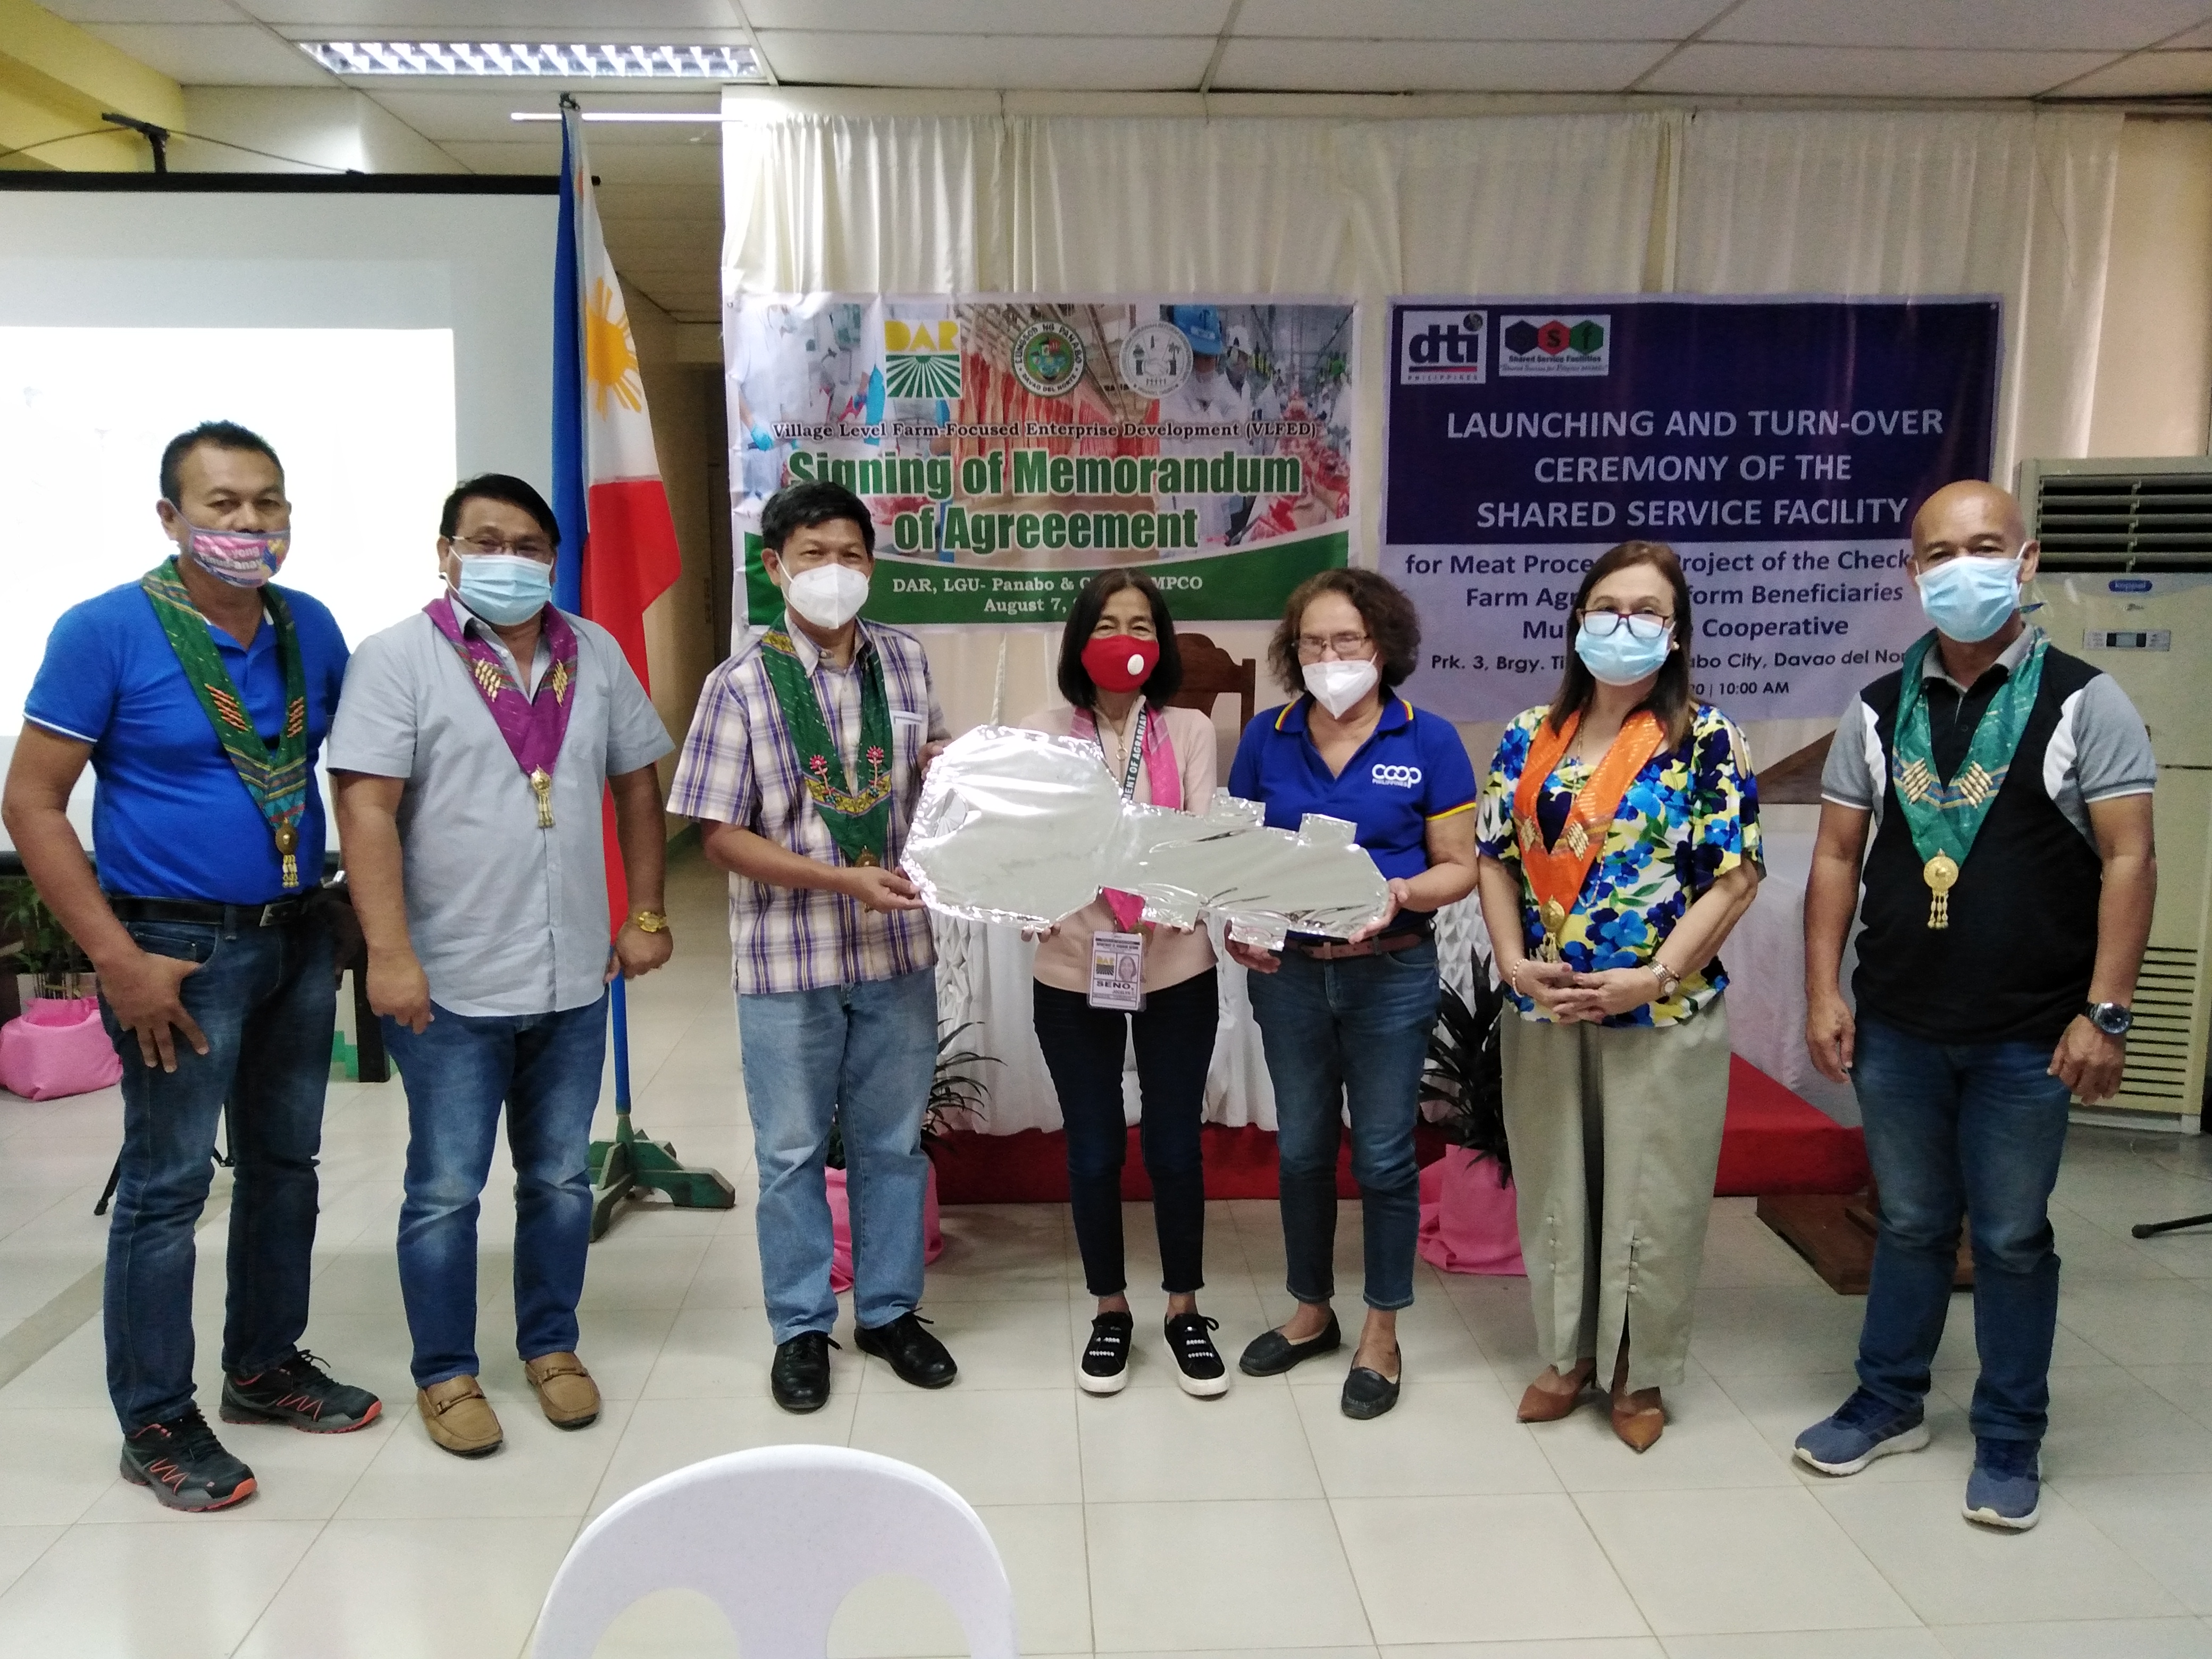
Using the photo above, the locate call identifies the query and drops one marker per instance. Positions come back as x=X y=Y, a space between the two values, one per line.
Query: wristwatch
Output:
x=2112 y=1018
x=650 y=921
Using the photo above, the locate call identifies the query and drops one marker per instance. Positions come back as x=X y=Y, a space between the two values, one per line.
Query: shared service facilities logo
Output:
x=1155 y=359
x=1441 y=348
x=1575 y=344
x=921 y=360
x=1049 y=358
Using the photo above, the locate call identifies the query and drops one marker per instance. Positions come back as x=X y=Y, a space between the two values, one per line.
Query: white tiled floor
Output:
x=1144 y=1524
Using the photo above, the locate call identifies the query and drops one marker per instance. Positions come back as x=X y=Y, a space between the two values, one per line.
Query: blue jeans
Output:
x=266 y=997
x=457 y=1071
x=1953 y=1130
x=865 y=1055
x=1349 y=1034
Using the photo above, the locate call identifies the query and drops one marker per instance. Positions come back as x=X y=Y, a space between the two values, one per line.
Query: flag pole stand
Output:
x=630 y=1164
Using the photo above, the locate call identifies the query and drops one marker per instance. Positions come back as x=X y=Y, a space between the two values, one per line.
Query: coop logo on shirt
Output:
x=1576 y=344
x=1397 y=777
x=1441 y=348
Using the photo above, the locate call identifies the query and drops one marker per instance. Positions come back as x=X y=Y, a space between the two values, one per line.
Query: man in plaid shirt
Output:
x=803 y=765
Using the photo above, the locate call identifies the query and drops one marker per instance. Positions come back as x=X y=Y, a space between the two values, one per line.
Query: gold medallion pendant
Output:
x=541 y=785
x=287 y=845
x=1942 y=874
x=867 y=861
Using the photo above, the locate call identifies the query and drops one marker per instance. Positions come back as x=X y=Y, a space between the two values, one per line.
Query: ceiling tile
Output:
x=1860 y=72
x=2147 y=74
x=1495 y=19
x=447 y=19
x=1138 y=18
x=216 y=54
x=2015 y=25
x=1431 y=66
x=2197 y=37
x=1033 y=63
x=144 y=11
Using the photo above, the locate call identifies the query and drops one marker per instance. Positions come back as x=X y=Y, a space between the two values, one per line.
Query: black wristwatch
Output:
x=2112 y=1018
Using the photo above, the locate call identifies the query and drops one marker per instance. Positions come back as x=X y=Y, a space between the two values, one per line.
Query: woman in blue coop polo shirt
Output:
x=1347 y=1024
x=1619 y=843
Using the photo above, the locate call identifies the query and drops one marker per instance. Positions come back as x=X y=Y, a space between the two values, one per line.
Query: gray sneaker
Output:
x=1862 y=1429
x=2006 y=1488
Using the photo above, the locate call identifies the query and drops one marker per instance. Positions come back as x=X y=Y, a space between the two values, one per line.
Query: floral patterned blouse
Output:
x=1690 y=816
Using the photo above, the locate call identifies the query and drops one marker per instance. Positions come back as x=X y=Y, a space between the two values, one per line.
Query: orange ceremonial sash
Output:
x=1556 y=873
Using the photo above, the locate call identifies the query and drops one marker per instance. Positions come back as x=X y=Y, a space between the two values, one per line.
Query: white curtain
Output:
x=2015 y=205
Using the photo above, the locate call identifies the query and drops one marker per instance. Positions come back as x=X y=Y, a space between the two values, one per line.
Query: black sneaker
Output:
x=300 y=1394
x=1198 y=1368
x=185 y=1465
x=1105 y=1368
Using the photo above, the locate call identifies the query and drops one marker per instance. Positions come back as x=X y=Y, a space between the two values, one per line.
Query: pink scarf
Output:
x=1160 y=765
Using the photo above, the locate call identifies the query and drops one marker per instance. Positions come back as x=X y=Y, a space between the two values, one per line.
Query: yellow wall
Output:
x=2154 y=353
x=55 y=79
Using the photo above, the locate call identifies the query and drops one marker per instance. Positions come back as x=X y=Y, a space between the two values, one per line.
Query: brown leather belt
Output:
x=1338 y=949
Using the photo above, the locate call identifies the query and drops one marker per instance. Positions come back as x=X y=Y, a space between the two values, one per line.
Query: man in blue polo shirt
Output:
x=200 y=694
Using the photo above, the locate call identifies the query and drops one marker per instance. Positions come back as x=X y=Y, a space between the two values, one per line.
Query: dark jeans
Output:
x=1962 y=1129
x=457 y=1071
x=1083 y=1047
x=266 y=999
x=1349 y=1034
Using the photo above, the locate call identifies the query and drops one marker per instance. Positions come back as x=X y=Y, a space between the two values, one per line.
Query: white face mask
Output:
x=1338 y=686
x=829 y=596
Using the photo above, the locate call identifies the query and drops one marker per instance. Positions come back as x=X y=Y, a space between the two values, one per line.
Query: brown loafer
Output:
x=565 y=1389
x=1639 y=1419
x=460 y=1417
x=1542 y=1404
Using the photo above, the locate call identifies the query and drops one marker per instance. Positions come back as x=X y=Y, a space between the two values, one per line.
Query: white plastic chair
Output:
x=777 y=1537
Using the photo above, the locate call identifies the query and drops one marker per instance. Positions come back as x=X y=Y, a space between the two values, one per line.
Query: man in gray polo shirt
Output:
x=468 y=804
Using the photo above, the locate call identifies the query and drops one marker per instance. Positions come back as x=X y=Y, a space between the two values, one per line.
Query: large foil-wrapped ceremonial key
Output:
x=1019 y=827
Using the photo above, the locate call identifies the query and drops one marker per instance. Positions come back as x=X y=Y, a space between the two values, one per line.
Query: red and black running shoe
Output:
x=300 y=1394
x=185 y=1465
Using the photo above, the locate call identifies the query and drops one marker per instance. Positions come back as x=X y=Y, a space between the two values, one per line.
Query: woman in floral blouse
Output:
x=1618 y=843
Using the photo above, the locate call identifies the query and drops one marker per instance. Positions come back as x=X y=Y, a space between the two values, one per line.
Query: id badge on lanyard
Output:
x=1117 y=959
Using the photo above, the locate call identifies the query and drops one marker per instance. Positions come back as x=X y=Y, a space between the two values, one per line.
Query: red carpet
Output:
x=1774 y=1143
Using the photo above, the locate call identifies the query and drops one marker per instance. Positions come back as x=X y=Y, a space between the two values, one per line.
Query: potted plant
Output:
x=56 y=1046
x=32 y=938
x=955 y=1097
x=1467 y=1220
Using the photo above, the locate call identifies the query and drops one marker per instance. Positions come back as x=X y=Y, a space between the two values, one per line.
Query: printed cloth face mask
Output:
x=504 y=588
x=1623 y=656
x=1969 y=595
x=1338 y=686
x=244 y=558
x=1119 y=662
x=829 y=596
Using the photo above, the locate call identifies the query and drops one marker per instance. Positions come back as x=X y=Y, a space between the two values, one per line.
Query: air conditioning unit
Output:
x=2125 y=580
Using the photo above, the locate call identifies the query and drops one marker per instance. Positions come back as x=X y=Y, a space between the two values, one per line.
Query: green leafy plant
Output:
x=1465 y=1073
x=32 y=937
x=956 y=1098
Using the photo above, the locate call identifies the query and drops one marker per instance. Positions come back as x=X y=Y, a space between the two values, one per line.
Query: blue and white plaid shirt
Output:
x=740 y=767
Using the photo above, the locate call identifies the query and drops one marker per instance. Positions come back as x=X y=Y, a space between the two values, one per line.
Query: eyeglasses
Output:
x=529 y=547
x=1642 y=624
x=1310 y=645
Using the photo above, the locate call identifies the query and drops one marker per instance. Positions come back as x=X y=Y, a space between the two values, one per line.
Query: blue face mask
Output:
x=1621 y=658
x=504 y=588
x=1969 y=597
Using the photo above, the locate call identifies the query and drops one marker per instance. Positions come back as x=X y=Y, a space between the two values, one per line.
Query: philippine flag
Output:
x=618 y=550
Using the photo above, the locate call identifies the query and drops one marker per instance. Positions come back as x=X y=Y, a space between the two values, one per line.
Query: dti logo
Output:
x=1397 y=777
x=1441 y=348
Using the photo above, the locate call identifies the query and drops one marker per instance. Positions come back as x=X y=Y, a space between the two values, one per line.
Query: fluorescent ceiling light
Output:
x=497 y=58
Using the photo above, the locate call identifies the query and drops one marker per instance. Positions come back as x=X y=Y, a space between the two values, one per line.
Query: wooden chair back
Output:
x=1208 y=671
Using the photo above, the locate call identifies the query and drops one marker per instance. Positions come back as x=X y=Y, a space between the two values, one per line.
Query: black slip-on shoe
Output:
x=914 y=1354
x=1105 y=1368
x=185 y=1465
x=799 y=1378
x=1271 y=1353
x=300 y=1394
x=1368 y=1392
x=1198 y=1369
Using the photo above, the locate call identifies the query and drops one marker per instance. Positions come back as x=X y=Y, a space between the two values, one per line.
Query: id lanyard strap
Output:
x=1136 y=750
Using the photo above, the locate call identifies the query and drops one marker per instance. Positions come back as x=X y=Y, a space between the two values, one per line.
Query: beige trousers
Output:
x=1616 y=1133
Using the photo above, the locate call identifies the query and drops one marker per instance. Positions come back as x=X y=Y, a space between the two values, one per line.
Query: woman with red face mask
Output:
x=1103 y=970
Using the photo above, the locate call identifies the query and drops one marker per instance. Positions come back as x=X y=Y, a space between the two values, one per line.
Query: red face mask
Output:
x=1119 y=662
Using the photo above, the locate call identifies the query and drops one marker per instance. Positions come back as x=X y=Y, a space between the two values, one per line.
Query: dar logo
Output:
x=921 y=360
x=1556 y=344
x=1049 y=358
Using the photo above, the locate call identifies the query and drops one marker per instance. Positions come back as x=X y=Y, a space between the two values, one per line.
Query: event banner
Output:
x=1779 y=445
x=1007 y=447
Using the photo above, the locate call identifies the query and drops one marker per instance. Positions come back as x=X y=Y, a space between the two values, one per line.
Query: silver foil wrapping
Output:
x=1019 y=827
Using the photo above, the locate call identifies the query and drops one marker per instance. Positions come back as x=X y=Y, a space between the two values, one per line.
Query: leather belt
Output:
x=1338 y=949
x=278 y=913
